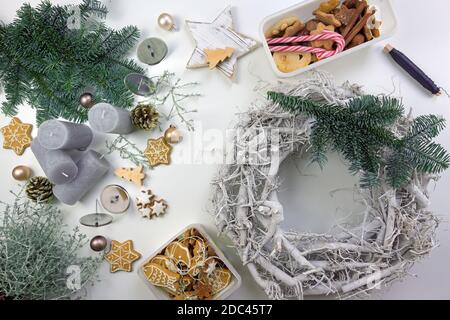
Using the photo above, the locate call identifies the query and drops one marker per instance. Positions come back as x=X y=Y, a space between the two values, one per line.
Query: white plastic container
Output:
x=304 y=11
x=161 y=294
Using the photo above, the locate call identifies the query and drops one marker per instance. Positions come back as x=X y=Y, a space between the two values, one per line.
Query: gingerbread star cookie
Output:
x=122 y=255
x=17 y=136
x=158 y=152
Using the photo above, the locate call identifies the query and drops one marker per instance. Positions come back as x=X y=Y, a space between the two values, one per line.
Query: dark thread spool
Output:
x=413 y=70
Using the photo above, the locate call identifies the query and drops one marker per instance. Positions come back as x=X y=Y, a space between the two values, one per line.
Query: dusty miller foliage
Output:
x=47 y=64
x=362 y=131
x=35 y=252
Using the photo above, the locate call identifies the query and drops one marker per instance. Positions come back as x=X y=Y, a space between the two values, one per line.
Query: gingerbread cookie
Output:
x=162 y=277
x=121 y=256
x=165 y=262
x=219 y=279
x=135 y=175
x=158 y=152
x=179 y=253
x=326 y=44
x=17 y=136
x=290 y=61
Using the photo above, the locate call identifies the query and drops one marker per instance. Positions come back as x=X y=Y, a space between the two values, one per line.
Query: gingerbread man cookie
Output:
x=17 y=136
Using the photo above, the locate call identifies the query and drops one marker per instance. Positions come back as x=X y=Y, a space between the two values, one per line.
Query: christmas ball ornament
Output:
x=98 y=243
x=173 y=135
x=166 y=21
x=145 y=117
x=87 y=100
x=39 y=189
x=22 y=173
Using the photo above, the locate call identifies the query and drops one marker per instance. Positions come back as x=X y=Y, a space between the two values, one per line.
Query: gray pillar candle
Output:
x=58 y=166
x=55 y=135
x=91 y=168
x=106 y=118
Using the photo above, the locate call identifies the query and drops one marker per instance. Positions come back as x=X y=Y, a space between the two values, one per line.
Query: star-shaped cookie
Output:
x=17 y=136
x=158 y=207
x=122 y=255
x=158 y=152
x=215 y=35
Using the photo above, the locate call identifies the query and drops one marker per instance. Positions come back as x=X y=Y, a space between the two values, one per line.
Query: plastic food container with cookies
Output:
x=314 y=32
x=190 y=267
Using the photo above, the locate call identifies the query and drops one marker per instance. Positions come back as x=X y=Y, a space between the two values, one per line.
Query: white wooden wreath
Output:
x=397 y=229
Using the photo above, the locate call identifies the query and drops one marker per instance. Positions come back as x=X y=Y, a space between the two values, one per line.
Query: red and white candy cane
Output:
x=321 y=53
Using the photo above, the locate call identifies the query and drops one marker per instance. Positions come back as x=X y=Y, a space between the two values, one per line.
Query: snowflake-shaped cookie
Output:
x=158 y=152
x=17 y=136
x=122 y=255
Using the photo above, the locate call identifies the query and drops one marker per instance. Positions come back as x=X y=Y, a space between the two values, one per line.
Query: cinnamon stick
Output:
x=362 y=5
x=359 y=26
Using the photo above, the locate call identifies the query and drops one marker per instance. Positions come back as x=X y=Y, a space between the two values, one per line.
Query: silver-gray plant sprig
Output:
x=36 y=253
x=173 y=92
x=127 y=151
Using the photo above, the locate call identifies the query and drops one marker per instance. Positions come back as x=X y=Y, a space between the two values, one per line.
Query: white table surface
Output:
x=186 y=186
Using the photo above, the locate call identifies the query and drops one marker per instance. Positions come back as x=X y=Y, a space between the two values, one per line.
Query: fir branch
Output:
x=362 y=131
x=58 y=64
x=93 y=7
x=425 y=128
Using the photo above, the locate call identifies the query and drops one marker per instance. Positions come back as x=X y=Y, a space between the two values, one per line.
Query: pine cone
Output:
x=145 y=117
x=39 y=189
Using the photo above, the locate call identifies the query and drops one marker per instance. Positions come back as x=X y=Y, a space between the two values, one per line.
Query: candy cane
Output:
x=321 y=53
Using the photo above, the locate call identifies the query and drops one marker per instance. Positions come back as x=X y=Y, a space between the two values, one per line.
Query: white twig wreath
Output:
x=396 y=231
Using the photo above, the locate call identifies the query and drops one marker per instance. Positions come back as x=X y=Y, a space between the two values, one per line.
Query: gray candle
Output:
x=56 y=135
x=91 y=168
x=57 y=165
x=106 y=118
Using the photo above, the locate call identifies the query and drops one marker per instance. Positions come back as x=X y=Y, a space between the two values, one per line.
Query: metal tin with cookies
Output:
x=174 y=271
x=363 y=29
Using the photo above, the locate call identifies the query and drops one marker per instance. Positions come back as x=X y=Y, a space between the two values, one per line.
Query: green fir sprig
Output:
x=362 y=130
x=50 y=56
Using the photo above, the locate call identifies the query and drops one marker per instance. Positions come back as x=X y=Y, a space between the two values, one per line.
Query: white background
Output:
x=186 y=187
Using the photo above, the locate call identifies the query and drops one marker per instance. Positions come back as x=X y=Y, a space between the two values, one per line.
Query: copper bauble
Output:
x=98 y=243
x=22 y=173
x=166 y=22
x=173 y=135
x=87 y=100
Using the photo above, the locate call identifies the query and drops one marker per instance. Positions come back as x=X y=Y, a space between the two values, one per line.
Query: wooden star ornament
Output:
x=17 y=136
x=121 y=256
x=218 y=34
x=158 y=152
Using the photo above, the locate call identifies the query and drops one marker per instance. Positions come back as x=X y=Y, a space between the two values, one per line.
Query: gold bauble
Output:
x=166 y=22
x=173 y=135
x=22 y=173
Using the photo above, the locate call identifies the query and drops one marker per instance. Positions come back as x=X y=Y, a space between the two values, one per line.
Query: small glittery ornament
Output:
x=173 y=135
x=167 y=22
x=22 y=173
x=98 y=243
x=87 y=100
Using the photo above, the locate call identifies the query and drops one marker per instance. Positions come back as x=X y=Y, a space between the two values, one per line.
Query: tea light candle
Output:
x=91 y=168
x=57 y=164
x=56 y=135
x=106 y=118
